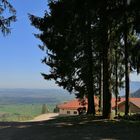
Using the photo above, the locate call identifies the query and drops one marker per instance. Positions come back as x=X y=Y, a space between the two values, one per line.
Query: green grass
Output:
x=21 y=112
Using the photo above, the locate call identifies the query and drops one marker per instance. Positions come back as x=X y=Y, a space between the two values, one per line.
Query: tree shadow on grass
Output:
x=70 y=128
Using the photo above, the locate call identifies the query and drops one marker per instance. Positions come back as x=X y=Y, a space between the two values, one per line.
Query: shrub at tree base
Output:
x=135 y=117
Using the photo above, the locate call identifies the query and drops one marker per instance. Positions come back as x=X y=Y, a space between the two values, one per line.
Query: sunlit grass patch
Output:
x=21 y=112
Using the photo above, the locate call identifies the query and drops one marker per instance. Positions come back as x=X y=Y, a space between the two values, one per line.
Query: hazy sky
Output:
x=20 y=58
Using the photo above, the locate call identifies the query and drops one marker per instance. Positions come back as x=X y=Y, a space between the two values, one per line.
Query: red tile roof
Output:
x=113 y=102
x=135 y=101
x=73 y=104
x=76 y=103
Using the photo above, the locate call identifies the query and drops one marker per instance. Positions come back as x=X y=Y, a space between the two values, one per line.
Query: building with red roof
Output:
x=134 y=105
x=72 y=107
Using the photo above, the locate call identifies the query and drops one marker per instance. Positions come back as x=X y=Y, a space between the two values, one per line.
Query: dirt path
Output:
x=44 y=117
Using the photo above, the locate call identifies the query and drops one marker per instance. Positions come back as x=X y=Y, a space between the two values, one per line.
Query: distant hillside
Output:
x=136 y=94
x=22 y=96
x=134 y=86
x=49 y=96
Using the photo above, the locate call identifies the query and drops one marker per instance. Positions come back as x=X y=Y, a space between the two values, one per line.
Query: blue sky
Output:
x=20 y=57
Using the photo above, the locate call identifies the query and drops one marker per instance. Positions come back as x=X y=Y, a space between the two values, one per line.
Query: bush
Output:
x=45 y=109
x=56 y=110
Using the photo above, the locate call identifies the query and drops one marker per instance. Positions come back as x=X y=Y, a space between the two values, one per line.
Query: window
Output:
x=75 y=112
x=68 y=112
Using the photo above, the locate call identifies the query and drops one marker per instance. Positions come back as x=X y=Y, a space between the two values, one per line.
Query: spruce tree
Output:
x=6 y=21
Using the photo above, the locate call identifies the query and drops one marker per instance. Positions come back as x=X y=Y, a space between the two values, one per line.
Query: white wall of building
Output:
x=68 y=112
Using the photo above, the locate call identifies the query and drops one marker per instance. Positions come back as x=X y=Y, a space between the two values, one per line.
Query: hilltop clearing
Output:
x=67 y=128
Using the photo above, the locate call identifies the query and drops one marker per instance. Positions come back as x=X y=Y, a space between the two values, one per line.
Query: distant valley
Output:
x=34 y=96
x=25 y=104
x=49 y=96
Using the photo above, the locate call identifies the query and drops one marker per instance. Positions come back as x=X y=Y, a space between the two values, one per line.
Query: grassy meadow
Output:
x=25 y=104
x=21 y=112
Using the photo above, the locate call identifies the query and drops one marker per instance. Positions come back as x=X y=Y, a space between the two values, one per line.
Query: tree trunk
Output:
x=90 y=82
x=101 y=87
x=91 y=107
x=89 y=54
x=126 y=61
x=116 y=87
x=106 y=63
x=106 y=84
